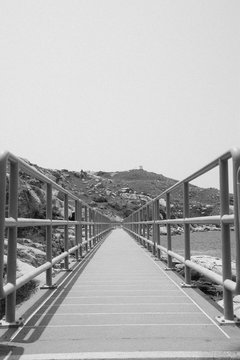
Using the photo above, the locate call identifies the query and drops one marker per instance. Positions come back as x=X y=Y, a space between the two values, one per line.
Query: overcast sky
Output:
x=115 y=84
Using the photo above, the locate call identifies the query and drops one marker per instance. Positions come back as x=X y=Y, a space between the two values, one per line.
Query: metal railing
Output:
x=90 y=227
x=146 y=222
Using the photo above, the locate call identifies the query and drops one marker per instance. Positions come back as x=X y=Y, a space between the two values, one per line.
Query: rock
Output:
x=163 y=230
x=212 y=263
x=162 y=202
x=27 y=254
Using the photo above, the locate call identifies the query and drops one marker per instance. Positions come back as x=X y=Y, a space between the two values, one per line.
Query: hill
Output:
x=117 y=194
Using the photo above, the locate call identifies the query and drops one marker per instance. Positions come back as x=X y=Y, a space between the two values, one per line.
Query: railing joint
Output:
x=222 y=321
x=15 y=324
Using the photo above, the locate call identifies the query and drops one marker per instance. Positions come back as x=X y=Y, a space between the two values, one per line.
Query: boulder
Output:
x=212 y=263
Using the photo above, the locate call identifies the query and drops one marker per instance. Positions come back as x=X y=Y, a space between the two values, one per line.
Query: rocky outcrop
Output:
x=210 y=288
x=115 y=193
x=28 y=252
x=212 y=263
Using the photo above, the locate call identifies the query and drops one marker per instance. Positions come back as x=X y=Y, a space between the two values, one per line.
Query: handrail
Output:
x=96 y=226
x=139 y=225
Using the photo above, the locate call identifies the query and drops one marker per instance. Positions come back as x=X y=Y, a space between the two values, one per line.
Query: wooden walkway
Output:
x=122 y=305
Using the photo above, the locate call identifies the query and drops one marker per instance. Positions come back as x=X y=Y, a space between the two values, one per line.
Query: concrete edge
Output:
x=146 y=355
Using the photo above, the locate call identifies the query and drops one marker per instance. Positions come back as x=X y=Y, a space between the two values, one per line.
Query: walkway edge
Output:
x=146 y=355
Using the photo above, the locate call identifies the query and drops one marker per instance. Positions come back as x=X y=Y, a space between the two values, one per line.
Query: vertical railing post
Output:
x=12 y=242
x=99 y=220
x=169 y=238
x=156 y=232
x=148 y=227
x=236 y=203
x=94 y=228
x=135 y=225
x=237 y=232
x=152 y=226
x=86 y=226
x=90 y=227
x=66 y=259
x=187 y=251
x=225 y=237
x=144 y=226
x=78 y=229
x=139 y=226
x=3 y=164
x=158 y=229
x=49 y=236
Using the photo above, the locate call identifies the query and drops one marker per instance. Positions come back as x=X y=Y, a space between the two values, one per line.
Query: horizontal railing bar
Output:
x=176 y=256
x=215 y=219
x=205 y=272
x=28 y=222
x=9 y=288
x=230 y=285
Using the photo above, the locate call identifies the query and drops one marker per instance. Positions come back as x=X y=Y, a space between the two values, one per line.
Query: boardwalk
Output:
x=123 y=304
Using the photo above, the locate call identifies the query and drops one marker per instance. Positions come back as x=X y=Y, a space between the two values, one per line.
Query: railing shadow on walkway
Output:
x=29 y=330
x=7 y=351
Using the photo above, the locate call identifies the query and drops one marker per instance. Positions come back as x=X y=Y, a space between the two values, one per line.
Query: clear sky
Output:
x=115 y=84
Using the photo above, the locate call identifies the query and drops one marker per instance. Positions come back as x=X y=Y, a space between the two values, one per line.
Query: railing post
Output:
x=144 y=226
x=86 y=226
x=78 y=229
x=152 y=227
x=80 y=238
x=236 y=203
x=158 y=229
x=148 y=227
x=132 y=219
x=187 y=251
x=66 y=259
x=94 y=229
x=135 y=225
x=225 y=237
x=156 y=232
x=139 y=226
x=3 y=164
x=169 y=238
x=97 y=219
x=12 y=242
x=49 y=237
x=237 y=231
x=90 y=227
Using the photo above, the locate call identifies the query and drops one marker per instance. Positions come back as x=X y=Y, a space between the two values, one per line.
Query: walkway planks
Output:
x=124 y=305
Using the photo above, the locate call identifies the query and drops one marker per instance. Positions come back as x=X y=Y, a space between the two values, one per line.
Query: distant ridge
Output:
x=119 y=193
